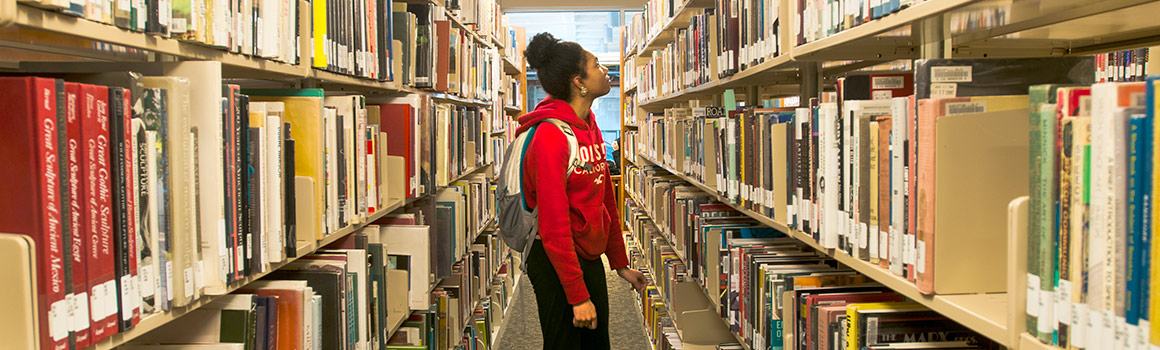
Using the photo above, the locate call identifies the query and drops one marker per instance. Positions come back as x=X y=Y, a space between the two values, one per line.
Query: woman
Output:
x=578 y=219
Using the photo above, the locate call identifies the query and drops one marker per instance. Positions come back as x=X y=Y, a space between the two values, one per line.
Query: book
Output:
x=34 y=142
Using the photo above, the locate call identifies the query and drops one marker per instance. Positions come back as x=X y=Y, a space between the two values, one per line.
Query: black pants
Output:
x=556 y=313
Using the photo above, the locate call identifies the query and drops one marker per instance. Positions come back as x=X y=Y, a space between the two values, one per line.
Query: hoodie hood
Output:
x=553 y=108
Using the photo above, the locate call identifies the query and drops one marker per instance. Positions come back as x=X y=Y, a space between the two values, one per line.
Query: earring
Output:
x=583 y=91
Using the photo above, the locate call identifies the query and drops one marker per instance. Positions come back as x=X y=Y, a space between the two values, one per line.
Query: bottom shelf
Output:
x=704 y=327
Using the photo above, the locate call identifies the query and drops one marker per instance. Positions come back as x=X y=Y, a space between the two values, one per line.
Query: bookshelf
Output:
x=930 y=29
x=984 y=313
x=34 y=31
x=150 y=323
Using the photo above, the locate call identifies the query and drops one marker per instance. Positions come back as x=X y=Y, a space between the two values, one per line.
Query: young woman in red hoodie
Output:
x=578 y=219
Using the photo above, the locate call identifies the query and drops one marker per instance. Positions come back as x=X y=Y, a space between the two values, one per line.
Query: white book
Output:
x=316 y=324
x=849 y=228
x=1104 y=210
x=329 y=115
x=273 y=183
x=828 y=117
x=288 y=45
x=266 y=29
x=898 y=138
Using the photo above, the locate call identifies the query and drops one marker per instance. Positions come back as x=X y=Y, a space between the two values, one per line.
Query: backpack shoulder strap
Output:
x=573 y=145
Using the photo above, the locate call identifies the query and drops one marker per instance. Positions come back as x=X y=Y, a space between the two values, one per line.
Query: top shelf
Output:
x=681 y=19
x=973 y=29
x=53 y=31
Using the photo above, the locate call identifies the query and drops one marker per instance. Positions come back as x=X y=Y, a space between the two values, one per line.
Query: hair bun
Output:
x=541 y=50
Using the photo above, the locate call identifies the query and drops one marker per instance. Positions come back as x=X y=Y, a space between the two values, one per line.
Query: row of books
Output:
x=717 y=42
x=819 y=19
x=780 y=293
x=438 y=54
x=514 y=39
x=859 y=173
x=1118 y=66
x=1090 y=217
x=172 y=152
x=262 y=28
x=459 y=140
x=435 y=141
x=369 y=39
x=514 y=94
x=352 y=294
x=681 y=63
x=651 y=21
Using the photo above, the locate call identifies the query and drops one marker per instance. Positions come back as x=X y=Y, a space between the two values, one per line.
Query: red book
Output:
x=31 y=204
x=397 y=121
x=98 y=216
x=76 y=190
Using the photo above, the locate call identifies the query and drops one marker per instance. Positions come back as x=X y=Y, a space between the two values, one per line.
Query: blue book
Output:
x=1139 y=169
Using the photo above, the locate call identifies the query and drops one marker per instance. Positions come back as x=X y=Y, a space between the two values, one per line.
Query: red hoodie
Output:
x=579 y=218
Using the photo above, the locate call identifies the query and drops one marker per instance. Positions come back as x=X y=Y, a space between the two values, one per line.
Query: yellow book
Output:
x=1154 y=302
x=320 y=58
x=852 y=331
x=303 y=110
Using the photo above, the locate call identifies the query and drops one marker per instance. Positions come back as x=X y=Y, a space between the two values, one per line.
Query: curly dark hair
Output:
x=556 y=62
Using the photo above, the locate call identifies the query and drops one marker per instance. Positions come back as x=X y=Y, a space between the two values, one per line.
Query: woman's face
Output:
x=597 y=80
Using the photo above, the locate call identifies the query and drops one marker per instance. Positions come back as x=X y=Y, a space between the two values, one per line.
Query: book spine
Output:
x=241 y=177
x=76 y=211
x=924 y=242
x=289 y=213
x=1062 y=301
x=1040 y=214
x=884 y=214
x=100 y=263
x=124 y=209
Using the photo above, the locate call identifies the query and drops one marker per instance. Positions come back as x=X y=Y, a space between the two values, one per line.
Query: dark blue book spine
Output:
x=1137 y=183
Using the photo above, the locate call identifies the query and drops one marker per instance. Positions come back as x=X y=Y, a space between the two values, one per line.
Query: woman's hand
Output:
x=584 y=315
x=634 y=277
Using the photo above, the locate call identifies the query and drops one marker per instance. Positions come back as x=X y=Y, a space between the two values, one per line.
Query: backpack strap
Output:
x=573 y=145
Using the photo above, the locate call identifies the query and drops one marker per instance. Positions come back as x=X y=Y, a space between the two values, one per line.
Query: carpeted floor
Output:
x=521 y=329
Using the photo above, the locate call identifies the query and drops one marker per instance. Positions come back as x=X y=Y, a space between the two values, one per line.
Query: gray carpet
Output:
x=521 y=329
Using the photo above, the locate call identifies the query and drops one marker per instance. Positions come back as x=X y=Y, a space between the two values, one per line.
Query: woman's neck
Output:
x=581 y=106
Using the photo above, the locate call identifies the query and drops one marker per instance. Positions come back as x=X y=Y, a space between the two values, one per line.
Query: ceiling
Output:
x=558 y=5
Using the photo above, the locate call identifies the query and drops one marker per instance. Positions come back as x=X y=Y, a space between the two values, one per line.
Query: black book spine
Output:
x=227 y=141
x=241 y=150
x=289 y=213
x=121 y=206
x=253 y=195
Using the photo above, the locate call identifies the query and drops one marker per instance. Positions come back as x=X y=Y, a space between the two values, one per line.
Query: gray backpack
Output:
x=518 y=223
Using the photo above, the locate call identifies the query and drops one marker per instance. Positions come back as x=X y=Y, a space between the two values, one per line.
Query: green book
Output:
x=1043 y=239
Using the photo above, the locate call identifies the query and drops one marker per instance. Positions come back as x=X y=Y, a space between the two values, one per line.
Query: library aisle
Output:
x=521 y=330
